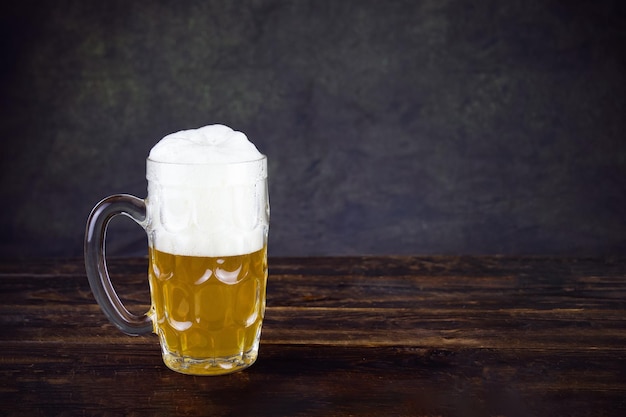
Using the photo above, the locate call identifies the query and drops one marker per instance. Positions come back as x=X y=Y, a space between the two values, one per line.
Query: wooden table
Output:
x=360 y=336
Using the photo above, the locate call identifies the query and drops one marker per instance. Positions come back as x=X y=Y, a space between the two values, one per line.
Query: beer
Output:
x=208 y=311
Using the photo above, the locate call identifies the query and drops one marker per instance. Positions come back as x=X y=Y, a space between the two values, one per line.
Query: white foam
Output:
x=208 y=144
x=207 y=193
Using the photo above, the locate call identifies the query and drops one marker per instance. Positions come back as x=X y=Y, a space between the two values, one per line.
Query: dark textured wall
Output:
x=436 y=126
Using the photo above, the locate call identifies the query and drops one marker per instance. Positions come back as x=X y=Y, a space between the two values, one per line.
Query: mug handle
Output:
x=95 y=262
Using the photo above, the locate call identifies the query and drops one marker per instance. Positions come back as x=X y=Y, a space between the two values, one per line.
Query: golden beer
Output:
x=208 y=311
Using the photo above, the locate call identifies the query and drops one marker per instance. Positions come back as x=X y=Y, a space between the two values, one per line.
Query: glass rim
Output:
x=244 y=162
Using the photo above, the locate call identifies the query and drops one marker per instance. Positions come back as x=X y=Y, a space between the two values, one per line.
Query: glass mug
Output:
x=207 y=227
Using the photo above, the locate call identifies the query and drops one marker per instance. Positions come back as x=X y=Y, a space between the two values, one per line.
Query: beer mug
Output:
x=207 y=225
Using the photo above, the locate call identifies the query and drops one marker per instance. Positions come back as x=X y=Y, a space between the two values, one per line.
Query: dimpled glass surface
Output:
x=208 y=310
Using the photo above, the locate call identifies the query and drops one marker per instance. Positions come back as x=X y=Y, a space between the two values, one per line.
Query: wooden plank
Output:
x=315 y=380
x=360 y=327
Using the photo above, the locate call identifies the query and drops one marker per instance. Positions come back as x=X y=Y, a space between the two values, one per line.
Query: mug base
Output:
x=209 y=366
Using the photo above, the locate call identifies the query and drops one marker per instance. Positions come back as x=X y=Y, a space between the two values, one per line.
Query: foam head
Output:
x=207 y=193
x=208 y=144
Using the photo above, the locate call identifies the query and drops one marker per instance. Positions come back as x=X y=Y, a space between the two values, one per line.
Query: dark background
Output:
x=391 y=127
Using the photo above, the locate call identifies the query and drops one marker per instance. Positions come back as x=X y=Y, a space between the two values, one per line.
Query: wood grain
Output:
x=432 y=336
